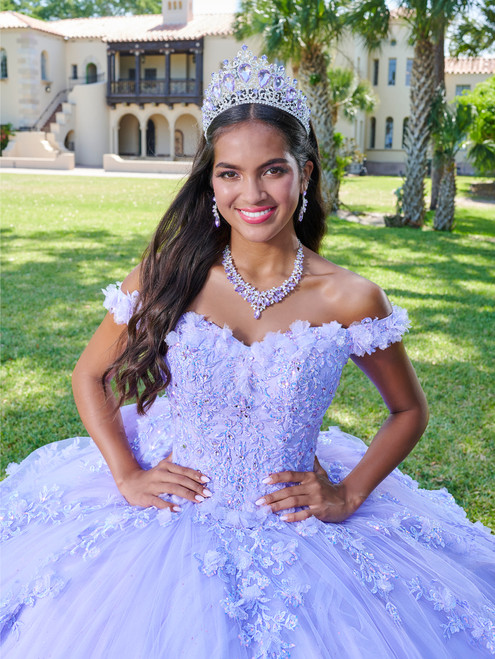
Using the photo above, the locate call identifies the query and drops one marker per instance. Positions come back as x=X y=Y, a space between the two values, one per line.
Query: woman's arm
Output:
x=101 y=417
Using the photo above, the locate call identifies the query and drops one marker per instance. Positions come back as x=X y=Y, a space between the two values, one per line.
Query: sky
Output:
x=219 y=6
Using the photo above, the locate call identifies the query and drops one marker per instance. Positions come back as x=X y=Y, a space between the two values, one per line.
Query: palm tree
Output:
x=482 y=130
x=371 y=19
x=449 y=128
x=301 y=31
x=349 y=94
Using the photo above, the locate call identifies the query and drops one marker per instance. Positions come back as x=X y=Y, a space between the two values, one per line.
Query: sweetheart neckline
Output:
x=286 y=332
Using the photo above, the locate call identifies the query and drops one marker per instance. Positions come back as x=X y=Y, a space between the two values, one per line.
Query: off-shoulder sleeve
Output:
x=369 y=334
x=121 y=305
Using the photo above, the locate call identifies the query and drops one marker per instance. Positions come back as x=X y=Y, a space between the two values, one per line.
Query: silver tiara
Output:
x=251 y=79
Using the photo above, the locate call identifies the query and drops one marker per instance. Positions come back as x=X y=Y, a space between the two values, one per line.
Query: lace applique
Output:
x=368 y=335
x=121 y=305
x=458 y=614
x=249 y=561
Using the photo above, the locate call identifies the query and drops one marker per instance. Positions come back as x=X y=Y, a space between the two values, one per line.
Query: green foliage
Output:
x=64 y=238
x=6 y=130
x=475 y=32
x=449 y=125
x=347 y=153
x=59 y=9
x=482 y=130
x=349 y=94
x=290 y=28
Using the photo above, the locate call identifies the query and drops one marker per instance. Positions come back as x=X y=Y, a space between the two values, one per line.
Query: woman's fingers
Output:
x=297 y=517
x=168 y=479
x=287 y=477
x=193 y=474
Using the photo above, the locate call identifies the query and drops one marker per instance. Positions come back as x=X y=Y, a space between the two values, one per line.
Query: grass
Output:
x=64 y=238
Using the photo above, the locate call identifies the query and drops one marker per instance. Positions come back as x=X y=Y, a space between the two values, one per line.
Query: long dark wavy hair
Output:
x=186 y=244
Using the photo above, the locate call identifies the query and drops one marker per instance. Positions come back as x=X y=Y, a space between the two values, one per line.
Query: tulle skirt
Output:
x=85 y=575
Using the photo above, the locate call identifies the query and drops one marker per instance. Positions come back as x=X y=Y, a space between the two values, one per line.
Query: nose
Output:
x=253 y=192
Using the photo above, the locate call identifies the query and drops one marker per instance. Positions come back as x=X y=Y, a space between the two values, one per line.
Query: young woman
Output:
x=222 y=523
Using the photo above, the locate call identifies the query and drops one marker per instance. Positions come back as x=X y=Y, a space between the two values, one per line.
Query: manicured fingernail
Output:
x=199 y=498
x=204 y=479
x=260 y=502
x=267 y=480
x=177 y=509
x=284 y=518
x=207 y=493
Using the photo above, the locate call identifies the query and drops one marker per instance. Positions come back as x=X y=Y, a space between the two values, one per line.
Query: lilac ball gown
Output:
x=87 y=576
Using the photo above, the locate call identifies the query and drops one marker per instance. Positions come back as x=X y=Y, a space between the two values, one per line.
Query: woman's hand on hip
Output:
x=312 y=491
x=143 y=487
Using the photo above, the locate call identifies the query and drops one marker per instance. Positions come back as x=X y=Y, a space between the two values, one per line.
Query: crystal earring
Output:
x=215 y=213
x=304 y=205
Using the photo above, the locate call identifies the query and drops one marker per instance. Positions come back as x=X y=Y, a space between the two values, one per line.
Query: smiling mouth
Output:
x=256 y=215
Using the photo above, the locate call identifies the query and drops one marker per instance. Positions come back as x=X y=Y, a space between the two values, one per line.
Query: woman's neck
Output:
x=264 y=262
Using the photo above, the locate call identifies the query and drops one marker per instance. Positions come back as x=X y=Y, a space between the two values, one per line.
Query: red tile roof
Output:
x=148 y=27
x=473 y=65
x=14 y=20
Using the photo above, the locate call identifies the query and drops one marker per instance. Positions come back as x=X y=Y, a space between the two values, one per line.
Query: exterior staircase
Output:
x=46 y=126
x=59 y=124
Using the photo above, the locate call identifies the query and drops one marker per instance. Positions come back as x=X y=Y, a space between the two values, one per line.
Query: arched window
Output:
x=3 y=63
x=372 y=132
x=389 y=132
x=44 y=66
x=91 y=73
x=405 y=124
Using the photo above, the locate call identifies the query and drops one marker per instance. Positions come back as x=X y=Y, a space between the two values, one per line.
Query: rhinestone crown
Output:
x=251 y=79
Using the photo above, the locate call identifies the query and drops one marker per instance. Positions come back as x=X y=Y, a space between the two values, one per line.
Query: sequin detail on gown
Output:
x=405 y=576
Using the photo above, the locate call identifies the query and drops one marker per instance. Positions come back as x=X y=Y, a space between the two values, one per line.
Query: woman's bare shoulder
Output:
x=133 y=280
x=348 y=296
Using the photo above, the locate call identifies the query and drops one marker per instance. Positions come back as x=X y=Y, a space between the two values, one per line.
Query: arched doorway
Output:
x=70 y=141
x=157 y=128
x=179 y=143
x=188 y=126
x=91 y=73
x=129 y=136
x=150 y=138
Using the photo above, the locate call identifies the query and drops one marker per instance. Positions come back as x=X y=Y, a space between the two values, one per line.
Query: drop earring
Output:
x=216 y=215
x=303 y=207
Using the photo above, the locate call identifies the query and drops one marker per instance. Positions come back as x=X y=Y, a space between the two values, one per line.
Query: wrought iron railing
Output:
x=153 y=87
x=86 y=80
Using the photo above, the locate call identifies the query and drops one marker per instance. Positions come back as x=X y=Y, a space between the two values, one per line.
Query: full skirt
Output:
x=84 y=575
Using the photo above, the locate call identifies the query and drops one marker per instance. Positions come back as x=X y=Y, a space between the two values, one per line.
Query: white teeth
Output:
x=256 y=214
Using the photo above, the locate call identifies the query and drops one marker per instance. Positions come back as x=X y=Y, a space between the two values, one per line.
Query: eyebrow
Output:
x=273 y=161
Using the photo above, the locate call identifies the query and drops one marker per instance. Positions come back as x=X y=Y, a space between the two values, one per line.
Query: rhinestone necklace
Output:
x=260 y=300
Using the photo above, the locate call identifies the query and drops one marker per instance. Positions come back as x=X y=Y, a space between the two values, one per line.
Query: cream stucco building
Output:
x=124 y=93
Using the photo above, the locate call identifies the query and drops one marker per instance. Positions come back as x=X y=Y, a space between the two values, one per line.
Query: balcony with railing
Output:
x=151 y=74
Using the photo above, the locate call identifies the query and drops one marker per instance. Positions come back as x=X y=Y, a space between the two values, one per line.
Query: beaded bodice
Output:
x=240 y=412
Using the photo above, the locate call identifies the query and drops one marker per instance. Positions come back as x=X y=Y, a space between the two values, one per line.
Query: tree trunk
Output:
x=439 y=72
x=445 y=213
x=418 y=133
x=314 y=83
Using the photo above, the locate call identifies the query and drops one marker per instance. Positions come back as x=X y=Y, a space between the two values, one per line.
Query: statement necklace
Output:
x=260 y=300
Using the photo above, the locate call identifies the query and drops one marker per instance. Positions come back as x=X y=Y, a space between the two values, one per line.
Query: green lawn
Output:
x=64 y=238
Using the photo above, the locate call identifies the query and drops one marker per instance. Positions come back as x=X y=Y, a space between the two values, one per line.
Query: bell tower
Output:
x=177 y=12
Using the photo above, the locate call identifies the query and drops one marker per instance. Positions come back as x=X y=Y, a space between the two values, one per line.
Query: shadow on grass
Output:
x=61 y=289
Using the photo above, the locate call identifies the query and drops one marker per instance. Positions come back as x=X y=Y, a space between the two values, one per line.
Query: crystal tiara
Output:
x=251 y=79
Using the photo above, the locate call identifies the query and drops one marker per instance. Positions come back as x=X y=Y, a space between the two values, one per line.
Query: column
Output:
x=142 y=126
x=198 y=87
x=167 y=73
x=137 y=79
x=110 y=75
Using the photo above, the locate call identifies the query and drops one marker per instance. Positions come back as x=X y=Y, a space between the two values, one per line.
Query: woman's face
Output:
x=256 y=181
